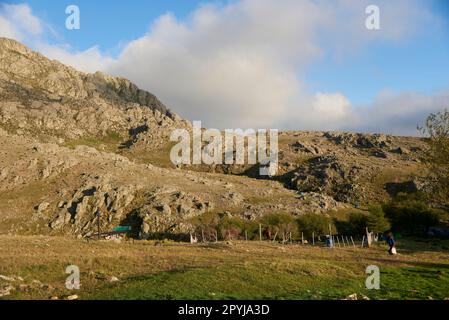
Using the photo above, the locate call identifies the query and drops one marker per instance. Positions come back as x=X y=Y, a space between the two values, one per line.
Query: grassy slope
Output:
x=220 y=271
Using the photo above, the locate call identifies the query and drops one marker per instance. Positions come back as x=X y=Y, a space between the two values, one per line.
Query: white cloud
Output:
x=232 y=66
x=18 y=22
x=240 y=65
x=333 y=105
x=7 y=30
x=398 y=113
x=90 y=60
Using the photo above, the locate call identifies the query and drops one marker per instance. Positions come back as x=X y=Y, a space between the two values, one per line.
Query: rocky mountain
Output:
x=57 y=103
x=74 y=144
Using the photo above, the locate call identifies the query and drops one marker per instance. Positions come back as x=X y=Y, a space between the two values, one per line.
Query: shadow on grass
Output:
x=411 y=263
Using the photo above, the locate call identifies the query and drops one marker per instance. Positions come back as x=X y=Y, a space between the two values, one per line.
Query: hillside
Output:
x=75 y=143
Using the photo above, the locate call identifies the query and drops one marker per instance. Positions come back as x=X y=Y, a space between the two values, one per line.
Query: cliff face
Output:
x=76 y=143
x=31 y=71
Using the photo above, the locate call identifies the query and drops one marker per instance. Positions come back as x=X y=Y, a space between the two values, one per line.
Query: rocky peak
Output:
x=30 y=71
x=7 y=44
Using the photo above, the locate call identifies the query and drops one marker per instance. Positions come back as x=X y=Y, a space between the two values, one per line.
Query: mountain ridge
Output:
x=75 y=143
x=22 y=64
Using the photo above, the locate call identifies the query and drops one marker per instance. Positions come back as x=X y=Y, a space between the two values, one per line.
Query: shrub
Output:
x=281 y=224
x=315 y=223
x=355 y=224
x=412 y=215
x=376 y=221
x=206 y=224
x=231 y=228
x=437 y=157
x=251 y=228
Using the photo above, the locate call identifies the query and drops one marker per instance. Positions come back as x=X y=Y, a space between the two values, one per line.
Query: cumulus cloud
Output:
x=335 y=107
x=7 y=30
x=241 y=64
x=18 y=22
x=228 y=66
x=398 y=113
x=90 y=60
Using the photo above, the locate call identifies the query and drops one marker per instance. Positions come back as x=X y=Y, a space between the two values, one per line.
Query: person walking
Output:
x=391 y=243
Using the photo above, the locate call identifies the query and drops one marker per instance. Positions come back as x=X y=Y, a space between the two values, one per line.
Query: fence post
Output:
x=275 y=236
x=313 y=238
x=260 y=232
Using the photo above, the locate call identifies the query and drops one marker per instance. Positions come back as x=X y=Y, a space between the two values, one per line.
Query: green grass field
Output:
x=241 y=270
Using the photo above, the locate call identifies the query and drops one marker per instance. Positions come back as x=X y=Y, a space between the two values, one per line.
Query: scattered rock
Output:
x=400 y=150
x=5 y=278
x=6 y=290
x=359 y=140
x=305 y=148
x=113 y=279
x=42 y=207
x=354 y=296
x=24 y=287
x=330 y=175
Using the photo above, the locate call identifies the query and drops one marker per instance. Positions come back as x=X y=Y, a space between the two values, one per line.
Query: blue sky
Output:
x=107 y=23
x=415 y=63
x=421 y=64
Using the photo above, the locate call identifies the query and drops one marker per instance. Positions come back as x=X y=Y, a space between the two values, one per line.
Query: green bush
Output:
x=206 y=224
x=410 y=214
x=376 y=221
x=315 y=223
x=437 y=156
x=251 y=228
x=281 y=224
x=355 y=224
x=231 y=228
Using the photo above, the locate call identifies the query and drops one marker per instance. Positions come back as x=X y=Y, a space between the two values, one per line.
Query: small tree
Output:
x=355 y=224
x=410 y=213
x=437 y=157
x=206 y=225
x=315 y=223
x=231 y=228
x=251 y=229
x=376 y=220
x=281 y=224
